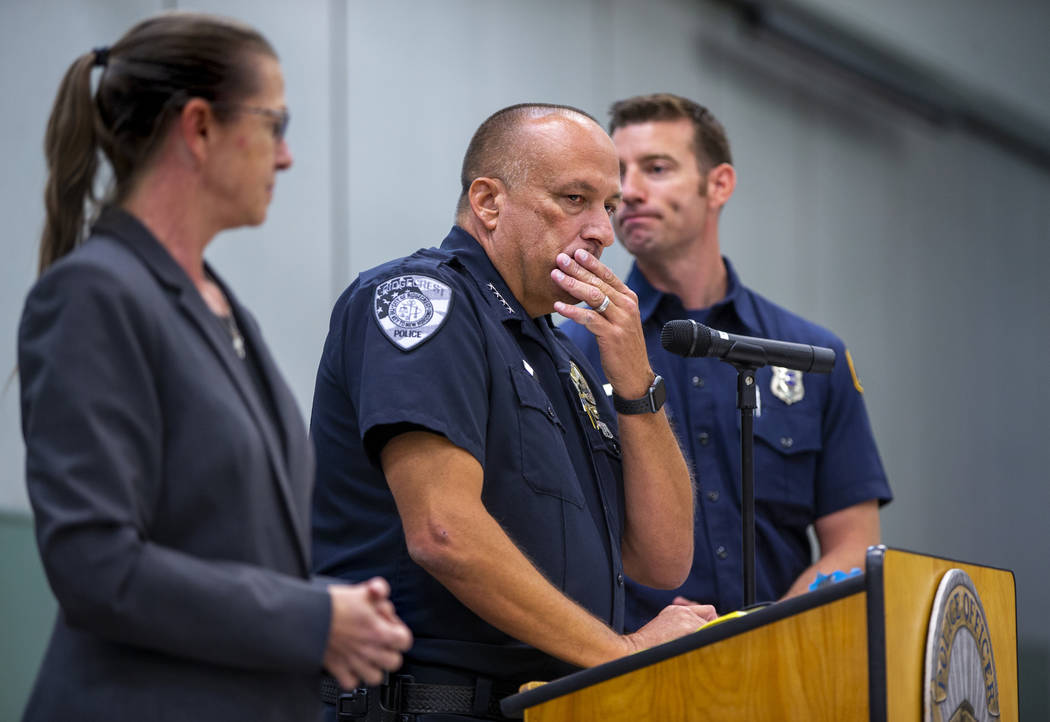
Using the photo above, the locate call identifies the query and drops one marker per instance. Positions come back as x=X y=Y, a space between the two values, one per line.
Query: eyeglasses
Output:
x=280 y=118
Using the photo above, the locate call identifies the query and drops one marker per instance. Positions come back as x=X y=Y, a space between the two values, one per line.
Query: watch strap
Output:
x=652 y=402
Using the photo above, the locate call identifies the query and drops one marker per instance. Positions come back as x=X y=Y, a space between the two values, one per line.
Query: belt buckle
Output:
x=393 y=694
x=352 y=705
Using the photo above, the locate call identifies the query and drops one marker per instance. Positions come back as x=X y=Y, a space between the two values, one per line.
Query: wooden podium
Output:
x=853 y=650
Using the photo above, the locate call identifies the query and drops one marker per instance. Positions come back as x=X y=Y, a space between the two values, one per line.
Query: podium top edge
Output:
x=515 y=705
x=877 y=553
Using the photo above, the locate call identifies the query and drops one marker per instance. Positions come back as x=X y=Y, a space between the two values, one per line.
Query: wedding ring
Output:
x=605 y=305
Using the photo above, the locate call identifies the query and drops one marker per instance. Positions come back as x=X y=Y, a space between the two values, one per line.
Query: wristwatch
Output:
x=648 y=404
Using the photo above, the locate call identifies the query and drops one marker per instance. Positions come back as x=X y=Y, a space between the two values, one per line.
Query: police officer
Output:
x=465 y=449
x=815 y=457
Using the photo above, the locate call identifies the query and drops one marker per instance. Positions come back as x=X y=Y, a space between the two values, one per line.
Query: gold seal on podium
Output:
x=960 y=679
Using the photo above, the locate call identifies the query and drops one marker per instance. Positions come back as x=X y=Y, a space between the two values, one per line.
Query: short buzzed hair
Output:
x=493 y=151
x=710 y=144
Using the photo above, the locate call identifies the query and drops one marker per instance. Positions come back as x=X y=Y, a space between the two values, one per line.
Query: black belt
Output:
x=405 y=696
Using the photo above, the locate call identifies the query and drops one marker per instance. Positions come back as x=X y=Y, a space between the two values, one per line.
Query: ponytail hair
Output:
x=146 y=79
x=71 y=150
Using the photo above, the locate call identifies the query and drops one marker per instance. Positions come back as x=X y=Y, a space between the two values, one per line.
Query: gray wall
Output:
x=924 y=247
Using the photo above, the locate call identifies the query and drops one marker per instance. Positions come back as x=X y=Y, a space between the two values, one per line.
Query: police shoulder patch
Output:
x=411 y=308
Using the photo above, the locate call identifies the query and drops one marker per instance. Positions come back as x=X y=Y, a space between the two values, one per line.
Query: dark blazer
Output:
x=171 y=498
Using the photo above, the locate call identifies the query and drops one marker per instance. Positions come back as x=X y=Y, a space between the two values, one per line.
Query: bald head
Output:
x=501 y=145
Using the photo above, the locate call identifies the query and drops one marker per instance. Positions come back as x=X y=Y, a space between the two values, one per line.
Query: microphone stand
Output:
x=747 y=359
x=747 y=401
x=689 y=338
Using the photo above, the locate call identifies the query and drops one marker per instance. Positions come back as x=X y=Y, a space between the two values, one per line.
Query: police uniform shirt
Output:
x=436 y=341
x=814 y=449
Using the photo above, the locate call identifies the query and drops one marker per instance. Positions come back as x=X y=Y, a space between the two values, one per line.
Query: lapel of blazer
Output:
x=283 y=447
x=127 y=229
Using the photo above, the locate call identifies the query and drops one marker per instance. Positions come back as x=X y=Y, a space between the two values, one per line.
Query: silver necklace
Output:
x=218 y=300
x=235 y=333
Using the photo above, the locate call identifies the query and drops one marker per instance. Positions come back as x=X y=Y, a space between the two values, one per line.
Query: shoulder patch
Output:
x=410 y=309
x=853 y=373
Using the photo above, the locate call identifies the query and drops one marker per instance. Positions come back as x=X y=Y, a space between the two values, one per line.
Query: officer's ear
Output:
x=721 y=180
x=486 y=200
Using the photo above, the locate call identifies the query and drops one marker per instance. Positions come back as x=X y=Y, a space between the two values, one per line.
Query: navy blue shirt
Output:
x=814 y=450
x=437 y=341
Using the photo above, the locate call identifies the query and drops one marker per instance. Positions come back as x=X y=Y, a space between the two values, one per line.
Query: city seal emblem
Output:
x=410 y=309
x=959 y=675
x=787 y=385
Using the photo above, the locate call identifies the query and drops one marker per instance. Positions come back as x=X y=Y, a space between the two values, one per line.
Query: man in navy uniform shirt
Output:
x=466 y=451
x=815 y=457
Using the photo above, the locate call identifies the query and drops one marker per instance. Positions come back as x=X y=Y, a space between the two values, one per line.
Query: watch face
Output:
x=658 y=393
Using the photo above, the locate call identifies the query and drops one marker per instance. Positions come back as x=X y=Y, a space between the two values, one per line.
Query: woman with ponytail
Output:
x=167 y=465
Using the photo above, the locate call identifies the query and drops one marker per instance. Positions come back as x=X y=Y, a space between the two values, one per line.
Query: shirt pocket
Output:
x=543 y=459
x=787 y=453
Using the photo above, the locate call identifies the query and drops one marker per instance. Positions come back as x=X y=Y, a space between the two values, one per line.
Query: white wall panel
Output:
x=422 y=77
x=39 y=39
x=280 y=270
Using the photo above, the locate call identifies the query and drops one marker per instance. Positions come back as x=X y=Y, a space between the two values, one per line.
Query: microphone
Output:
x=689 y=338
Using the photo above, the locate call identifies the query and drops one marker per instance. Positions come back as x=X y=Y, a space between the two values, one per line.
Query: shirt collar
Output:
x=468 y=251
x=116 y=223
x=737 y=299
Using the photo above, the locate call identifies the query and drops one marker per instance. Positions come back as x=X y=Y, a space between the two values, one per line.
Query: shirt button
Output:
x=550 y=411
x=712 y=495
x=722 y=552
x=698 y=382
x=703 y=437
x=619 y=579
x=787 y=442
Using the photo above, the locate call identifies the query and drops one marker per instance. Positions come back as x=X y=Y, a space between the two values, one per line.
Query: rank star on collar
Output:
x=499 y=297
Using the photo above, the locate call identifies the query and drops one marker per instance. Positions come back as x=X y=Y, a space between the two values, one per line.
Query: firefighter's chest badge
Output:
x=787 y=385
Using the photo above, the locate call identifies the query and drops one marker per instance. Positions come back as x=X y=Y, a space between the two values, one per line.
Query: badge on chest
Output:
x=587 y=400
x=787 y=385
